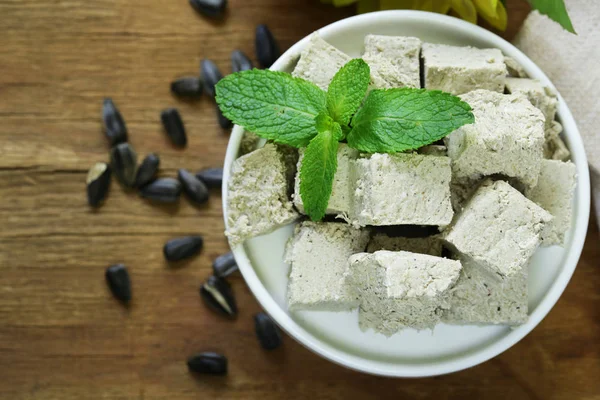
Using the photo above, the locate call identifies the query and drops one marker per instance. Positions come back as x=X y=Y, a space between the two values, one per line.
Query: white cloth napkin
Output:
x=572 y=62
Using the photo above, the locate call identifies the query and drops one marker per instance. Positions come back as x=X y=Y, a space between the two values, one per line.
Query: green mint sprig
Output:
x=292 y=111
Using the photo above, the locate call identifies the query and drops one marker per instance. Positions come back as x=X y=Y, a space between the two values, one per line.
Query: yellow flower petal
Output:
x=365 y=6
x=496 y=17
x=465 y=9
x=395 y=4
x=437 y=6
x=342 y=3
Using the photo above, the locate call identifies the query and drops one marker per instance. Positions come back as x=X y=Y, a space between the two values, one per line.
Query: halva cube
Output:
x=498 y=228
x=400 y=289
x=319 y=62
x=318 y=254
x=514 y=69
x=480 y=298
x=394 y=59
x=554 y=193
x=542 y=97
x=431 y=245
x=459 y=70
x=554 y=147
x=258 y=190
x=402 y=189
x=341 y=198
x=507 y=138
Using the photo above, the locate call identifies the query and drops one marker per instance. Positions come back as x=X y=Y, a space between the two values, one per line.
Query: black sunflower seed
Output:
x=183 y=247
x=224 y=122
x=114 y=125
x=194 y=188
x=163 y=190
x=210 y=8
x=267 y=49
x=173 y=124
x=119 y=282
x=188 y=86
x=267 y=331
x=208 y=363
x=123 y=160
x=218 y=296
x=210 y=75
x=224 y=265
x=98 y=182
x=212 y=177
x=240 y=61
x=147 y=170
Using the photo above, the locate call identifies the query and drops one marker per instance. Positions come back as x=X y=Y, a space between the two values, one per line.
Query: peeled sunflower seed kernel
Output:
x=210 y=75
x=240 y=61
x=208 y=363
x=119 y=282
x=123 y=160
x=147 y=170
x=193 y=187
x=98 y=182
x=224 y=265
x=267 y=49
x=224 y=122
x=113 y=123
x=267 y=331
x=183 y=247
x=173 y=125
x=210 y=8
x=163 y=190
x=212 y=177
x=218 y=296
x=188 y=86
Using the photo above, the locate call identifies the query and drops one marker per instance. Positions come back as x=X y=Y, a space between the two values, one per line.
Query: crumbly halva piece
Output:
x=402 y=189
x=318 y=254
x=507 y=138
x=434 y=150
x=340 y=201
x=459 y=70
x=400 y=289
x=431 y=245
x=554 y=193
x=258 y=200
x=319 y=62
x=401 y=53
x=480 y=298
x=542 y=97
x=248 y=143
x=498 y=228
x=554 y=147
x=514 y=69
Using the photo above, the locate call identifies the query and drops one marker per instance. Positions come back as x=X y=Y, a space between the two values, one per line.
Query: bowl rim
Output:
x=483 y=354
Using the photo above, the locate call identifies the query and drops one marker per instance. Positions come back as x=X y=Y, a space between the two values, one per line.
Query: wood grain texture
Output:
x=62 y=335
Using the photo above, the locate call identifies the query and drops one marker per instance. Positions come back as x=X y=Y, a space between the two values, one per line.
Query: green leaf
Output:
x=323 y=122
x=347 y=90
x=272 y=104
x=396 y=120
x=317 y=171
x=555 y=10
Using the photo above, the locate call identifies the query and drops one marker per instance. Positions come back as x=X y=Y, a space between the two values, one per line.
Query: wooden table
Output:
x=63 y=336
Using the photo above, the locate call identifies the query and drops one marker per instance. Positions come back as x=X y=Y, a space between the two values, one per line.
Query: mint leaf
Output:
x=323 y=122
x=555 y=10
x=317 y=171
x=347 y=90
x=272 y=104
x=394 y=120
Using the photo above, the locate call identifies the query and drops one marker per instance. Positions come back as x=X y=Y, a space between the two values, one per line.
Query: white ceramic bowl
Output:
x=336 y=336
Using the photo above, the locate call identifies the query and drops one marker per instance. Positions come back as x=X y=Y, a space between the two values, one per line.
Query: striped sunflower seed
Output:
x=267 y=331
x=123 y=160
x=224 y=265
x=173 y=125
x=208 y=363
x=217 y=295
x=119 y=282
x=210 y=76
x=267 y=49
x=188 y=86
x=147 y=170
x=209 y=8
x=98 y=182
x=212 y=177
x=162 y=190
x=224 y=122
x=113 y=123
x=193 y=187
x=240 y=61
x=183 y=247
